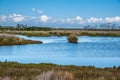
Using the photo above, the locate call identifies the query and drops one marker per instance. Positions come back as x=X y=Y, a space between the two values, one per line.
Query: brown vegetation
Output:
x=72 y=38
x=65 y=32
x=6 y=39
x=17 y=71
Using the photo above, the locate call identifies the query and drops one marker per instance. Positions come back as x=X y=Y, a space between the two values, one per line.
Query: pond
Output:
x=93 y=51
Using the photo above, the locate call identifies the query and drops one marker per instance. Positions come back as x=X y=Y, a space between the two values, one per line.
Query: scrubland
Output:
x=48 y=71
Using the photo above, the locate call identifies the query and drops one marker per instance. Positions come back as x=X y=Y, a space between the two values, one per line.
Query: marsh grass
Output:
x=7 y=39
x=17 y=71
x=28 y=33
x=66 y=32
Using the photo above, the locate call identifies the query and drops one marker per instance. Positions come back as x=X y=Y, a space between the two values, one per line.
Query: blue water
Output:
x=94 y=51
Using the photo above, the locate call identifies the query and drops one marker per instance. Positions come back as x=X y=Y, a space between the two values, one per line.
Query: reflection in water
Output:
x=98 y=51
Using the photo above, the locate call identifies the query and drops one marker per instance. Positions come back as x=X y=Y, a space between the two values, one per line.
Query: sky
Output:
x=59 y=13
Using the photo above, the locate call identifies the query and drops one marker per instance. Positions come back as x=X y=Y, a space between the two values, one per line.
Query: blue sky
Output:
x=59 y=12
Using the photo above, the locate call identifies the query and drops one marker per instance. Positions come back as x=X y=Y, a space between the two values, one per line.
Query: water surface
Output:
x=95 y=51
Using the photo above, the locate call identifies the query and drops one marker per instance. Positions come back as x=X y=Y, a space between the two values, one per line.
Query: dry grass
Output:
x=17 y=71
x=55 y=75
x=7 y=39
x=88 y=32
x=66 y=32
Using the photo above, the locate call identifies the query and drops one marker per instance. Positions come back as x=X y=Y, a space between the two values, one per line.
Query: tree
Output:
x=18 y=25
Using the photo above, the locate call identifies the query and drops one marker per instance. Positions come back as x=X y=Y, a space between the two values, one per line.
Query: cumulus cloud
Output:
x=93 y=20
x=78 y=18
x=106 y=19
x=75 y=20
x=70 y=20
x=3 y=18
x=16 y=17
x=37 y=10
x=113 y=19
x=44 y=18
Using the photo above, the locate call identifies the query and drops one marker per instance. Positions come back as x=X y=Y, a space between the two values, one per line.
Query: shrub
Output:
x=72 y=38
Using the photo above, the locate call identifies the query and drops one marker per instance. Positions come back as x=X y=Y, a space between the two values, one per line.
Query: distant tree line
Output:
x=19 y=27
x=25 y=27
x=103 y=26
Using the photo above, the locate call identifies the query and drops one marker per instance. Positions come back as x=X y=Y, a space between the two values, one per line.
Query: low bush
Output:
x=72 y=38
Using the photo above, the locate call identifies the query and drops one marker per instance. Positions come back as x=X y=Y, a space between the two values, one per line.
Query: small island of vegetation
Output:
x=7 y=39
x=72 y=38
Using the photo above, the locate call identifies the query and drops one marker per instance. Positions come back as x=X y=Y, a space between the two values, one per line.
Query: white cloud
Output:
x=62 y=20
x=94 y=20
x=75 y=20
x=70 y=20
x=50 y=20
x=17 y=17
x=37 y=10
x=44 y=18
x=3 y=18
x=78 y=18
x=113 y=19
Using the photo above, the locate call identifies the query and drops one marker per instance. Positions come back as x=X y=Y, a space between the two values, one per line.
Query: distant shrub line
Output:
x=47 y=31
x=25 y=28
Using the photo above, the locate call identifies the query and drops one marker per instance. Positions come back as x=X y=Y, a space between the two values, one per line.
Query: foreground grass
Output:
x=65 y=32
x=6 y=39
x=17 y=71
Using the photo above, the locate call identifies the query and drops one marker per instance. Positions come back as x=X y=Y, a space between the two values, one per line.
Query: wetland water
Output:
x=94 y=51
